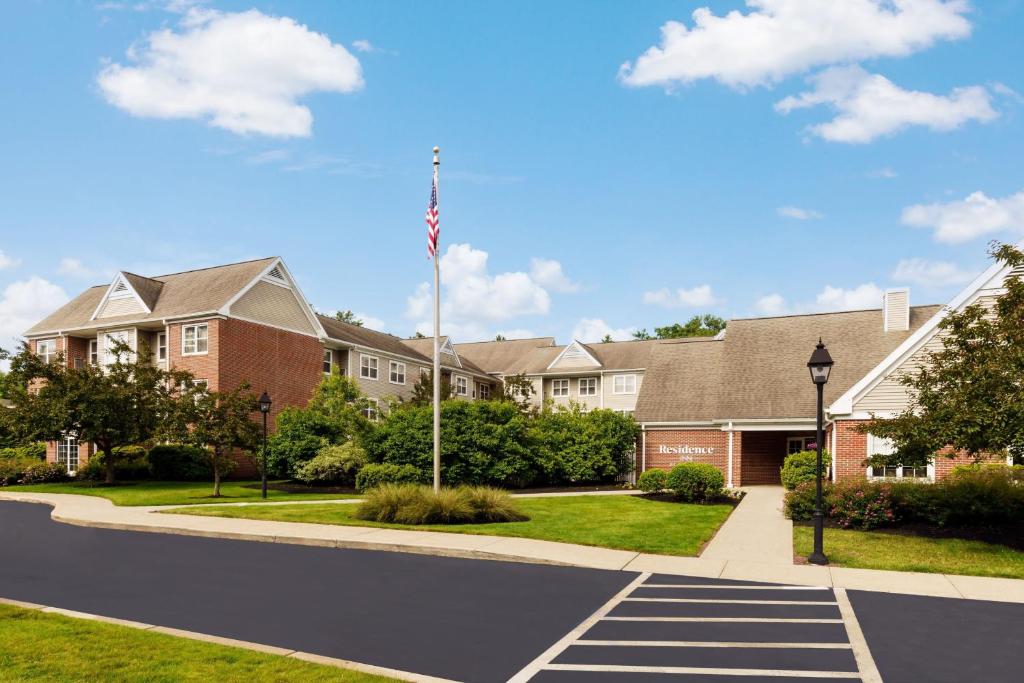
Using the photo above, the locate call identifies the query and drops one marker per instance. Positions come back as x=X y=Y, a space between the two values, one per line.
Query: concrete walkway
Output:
x=756 y=531
x=765 y=564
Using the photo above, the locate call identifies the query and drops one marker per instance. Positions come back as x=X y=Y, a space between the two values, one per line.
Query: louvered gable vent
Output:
x=275 y=273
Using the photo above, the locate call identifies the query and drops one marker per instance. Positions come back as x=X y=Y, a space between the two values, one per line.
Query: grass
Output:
x=879 y=550
x=173 y=492
x=621 y=522
x=49 y=647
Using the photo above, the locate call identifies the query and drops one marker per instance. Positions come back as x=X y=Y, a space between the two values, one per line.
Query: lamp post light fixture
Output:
x=265 y=403
x=820 y=366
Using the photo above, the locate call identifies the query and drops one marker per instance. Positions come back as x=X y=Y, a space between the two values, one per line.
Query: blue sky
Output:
x=600 y=173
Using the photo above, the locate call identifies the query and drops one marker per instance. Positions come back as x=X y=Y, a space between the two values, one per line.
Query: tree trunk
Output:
x=216 y=477
x=108 y=462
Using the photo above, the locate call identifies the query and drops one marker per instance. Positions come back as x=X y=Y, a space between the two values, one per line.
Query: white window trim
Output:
x=51 y=353
x=108 y=358
x=624 y=391
x=328 y=361
x=872 y=449
x=393 y=366
x=64 y=444
x=485 y=389
x=579 y=386
x=161 y=348
x=803 y=442
x=558 y=386
x=375 y=368
x=94 y=351
x=197 y=352
x=461 y=385
x=372 y=409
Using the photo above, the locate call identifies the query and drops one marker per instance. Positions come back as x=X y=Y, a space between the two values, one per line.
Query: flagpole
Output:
x=437 y=345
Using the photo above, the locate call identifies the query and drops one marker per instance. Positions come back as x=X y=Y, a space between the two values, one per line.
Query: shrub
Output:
x=862 y=505
x=418 y=504
x=652 y=481
x=179 y=462
x=129 y=463
x=696 y=481
x=802 y=466
x=12 y=469
x=984 y=496
x=35 y=450
x=373 y=475
x=482 y=442
x=799 y=503
x=333 y=464
x=43 y=473
x=573 y=446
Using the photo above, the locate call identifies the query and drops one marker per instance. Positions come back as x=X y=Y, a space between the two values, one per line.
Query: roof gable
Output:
x=273 y=298
x=575 y=355
x=122 y=298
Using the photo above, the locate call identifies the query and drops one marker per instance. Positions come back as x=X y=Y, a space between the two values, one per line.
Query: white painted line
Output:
x=698 y=643
x=546 y=657
x=737 y=588
x=861 y=652
x=617 y=668
x=751 y=620
x=712 y=601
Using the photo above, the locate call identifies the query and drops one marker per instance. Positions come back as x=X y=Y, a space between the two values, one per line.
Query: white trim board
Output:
x=109 y=294
x=578 y=346
x=278 y=264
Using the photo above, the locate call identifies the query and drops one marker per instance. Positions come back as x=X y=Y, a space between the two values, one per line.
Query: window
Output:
x=461 y=385
x=161 y=346
x=624 y=412
x=559 y=387
x=624 y=384
x=328 y=357
x=110 y=342
x=46 y=349
x=370 y=410
x=795 y=444
x=194 y=339
x=880 y=446
x=94 y=351
x=67 y=453
x=485 y=392
x=368 y=367
x=396 y=372
x=588 y=386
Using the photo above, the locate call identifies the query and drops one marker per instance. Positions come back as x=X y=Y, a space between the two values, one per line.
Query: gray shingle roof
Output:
x=759 y=370
x=173 y=295
x=364 y=336
x=499 y=356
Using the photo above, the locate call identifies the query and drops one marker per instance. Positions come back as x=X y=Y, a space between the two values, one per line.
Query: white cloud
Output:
x=964 y=219
x=869 y=106
x=595 y=329
x=882 y=173
x=243 y=72
x=363 y=46
x=771 y=304
x=701 y=295
x=7 y=262
x=23 y=304
x=839 y=299
x=778 y=38
x=548 y=274
x=798 y=213
x=73 y=267
x=927 y=273
x=373 y=322
x=473 y=300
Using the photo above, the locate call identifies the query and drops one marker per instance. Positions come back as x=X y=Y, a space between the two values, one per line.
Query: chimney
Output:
x=896 y=310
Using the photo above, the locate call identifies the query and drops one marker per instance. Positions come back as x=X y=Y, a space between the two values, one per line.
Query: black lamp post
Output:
x=265 y=409
x=820 y=365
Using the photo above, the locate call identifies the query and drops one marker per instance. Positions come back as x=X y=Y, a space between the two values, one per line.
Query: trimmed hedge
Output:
x=802 y=466
x=696 y=481
x=130 y=464
x=35 y=450
x=375 y=475
x=179 y=462
x=652 y=481
x=333 y=465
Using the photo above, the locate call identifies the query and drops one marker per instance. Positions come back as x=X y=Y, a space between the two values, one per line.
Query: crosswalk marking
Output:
x=702 y=643
x=735 y=588
x=623 y=668
x=712 y=601
x=738 y=620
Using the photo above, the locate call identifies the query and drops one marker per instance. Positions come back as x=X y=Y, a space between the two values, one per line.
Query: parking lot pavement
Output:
x=687 y=629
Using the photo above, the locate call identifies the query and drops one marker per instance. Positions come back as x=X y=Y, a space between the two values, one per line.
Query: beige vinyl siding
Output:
x=889 y=394
x=614 y=401
x=273 y=305
x=574 y=356
x=120 y=306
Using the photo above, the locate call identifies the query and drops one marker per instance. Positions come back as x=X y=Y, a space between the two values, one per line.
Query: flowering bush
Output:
x=861 y=505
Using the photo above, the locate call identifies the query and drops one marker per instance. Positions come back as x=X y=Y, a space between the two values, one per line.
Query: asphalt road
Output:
x=473 y=620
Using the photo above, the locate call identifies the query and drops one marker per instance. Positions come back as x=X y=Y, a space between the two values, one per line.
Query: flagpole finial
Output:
x=436 y=150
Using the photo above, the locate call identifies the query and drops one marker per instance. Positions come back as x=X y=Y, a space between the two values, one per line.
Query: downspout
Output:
x=835 y=456
x=643 y=448
x=730 y=454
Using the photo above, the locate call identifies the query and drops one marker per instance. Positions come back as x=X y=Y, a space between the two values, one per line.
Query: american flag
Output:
x=433 y=222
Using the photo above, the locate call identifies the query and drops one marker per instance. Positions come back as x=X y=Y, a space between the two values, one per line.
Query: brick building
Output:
x=230 y=324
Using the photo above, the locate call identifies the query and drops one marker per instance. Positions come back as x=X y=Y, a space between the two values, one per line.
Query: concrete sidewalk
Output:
x=756 y=531
x=765 y=563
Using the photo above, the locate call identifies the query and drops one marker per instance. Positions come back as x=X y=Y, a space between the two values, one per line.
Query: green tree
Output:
x=499 y=337
x=967 y=394
x=220 y=422
x=125 y=403
x=642 y=334
x=348 y=317
x=520 y=390
x=423 y=390
x=607 y=339
x=706 y=325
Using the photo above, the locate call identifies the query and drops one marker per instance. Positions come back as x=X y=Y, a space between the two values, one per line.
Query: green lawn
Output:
x=50 y=647
x=876 y=550
x=173 y=492
x=623 y=522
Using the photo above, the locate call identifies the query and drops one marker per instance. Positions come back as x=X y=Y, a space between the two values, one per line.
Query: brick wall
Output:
x=202 y=366
x=713 y=442
x=851 y=449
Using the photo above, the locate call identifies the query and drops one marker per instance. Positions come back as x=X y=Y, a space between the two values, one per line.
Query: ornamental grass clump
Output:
x=416 y=504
